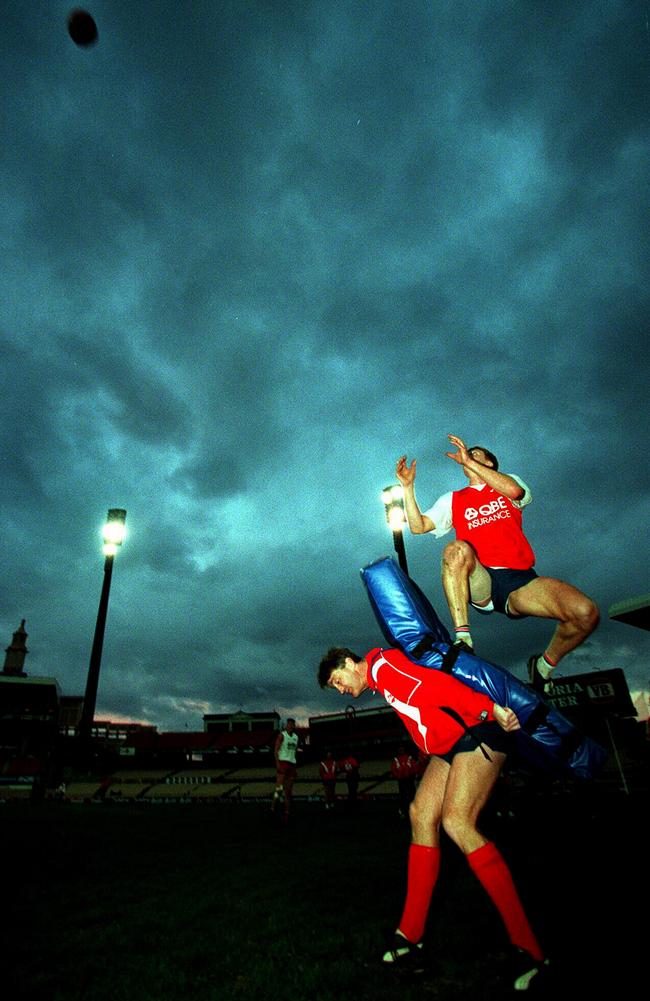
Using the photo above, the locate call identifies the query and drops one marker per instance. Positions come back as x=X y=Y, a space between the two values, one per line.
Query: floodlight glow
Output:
x=114 y=531
x=396 y=518
x=394 y=509
x=394 y=494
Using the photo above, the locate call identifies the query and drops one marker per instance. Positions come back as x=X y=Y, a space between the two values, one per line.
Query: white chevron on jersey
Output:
x=404 y=708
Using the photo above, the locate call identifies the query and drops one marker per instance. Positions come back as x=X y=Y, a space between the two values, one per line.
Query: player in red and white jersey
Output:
x=404 y=768
x=349 y=769
x=468 y=738
x=328 y=770
x=491 y=562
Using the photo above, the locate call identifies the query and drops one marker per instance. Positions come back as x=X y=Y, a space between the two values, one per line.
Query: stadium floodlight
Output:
x=114 y=530
x=393 y=500
x=113 y=534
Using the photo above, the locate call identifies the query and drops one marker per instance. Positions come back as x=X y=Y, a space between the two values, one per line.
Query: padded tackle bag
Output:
x=409 y=622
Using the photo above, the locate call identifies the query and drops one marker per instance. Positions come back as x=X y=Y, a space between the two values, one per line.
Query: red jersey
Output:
x=491 y=523
x=349 y=765
x=327 y=770
x=418 y=695
x=403 y=766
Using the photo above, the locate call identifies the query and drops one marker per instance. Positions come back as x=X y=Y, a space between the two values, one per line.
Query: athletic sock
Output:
x=546 y=666
x=463 y=633
x=490 y=869
x=423 y=869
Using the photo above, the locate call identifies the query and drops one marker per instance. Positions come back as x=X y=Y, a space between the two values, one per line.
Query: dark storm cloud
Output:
x=253 y=252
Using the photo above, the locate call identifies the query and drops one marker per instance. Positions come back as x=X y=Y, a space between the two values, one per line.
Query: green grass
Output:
x=219 y=902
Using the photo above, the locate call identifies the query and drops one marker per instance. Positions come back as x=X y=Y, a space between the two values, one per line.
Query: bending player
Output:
x=468 y=737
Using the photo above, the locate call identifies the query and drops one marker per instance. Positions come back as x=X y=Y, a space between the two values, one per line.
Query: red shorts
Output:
x=288 y=769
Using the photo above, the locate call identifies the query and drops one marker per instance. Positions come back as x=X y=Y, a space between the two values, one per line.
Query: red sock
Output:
x=489 y=867
x=423 y=868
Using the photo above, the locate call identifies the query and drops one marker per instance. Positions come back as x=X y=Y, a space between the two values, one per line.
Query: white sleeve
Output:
x=440 y=515
x=527 y=498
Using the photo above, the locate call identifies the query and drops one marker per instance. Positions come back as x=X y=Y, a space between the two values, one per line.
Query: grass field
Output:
x=165 y=902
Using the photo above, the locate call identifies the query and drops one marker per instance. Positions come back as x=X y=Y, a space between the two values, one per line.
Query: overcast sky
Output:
x=253 y=251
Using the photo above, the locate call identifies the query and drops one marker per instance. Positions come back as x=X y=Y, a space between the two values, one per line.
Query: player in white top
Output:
x=286 y=747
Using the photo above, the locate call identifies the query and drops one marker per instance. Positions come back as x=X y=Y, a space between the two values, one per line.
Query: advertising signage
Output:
x=602 y=691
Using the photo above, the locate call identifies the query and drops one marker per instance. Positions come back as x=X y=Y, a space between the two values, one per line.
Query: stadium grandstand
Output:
x=231 y=759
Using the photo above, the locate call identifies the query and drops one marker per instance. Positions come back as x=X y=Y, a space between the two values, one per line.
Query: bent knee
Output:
x=586 y=615
x=422 y=817
x=457 y=826
x=458 y=553
x=417 y=815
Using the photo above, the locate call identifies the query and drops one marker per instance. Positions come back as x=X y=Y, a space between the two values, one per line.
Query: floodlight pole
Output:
x=116 y=519
x=398 y=542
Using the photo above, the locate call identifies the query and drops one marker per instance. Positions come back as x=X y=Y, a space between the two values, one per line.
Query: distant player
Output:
x=328 y=771
x=404 y=768
x=349 y=769
x=286 y=770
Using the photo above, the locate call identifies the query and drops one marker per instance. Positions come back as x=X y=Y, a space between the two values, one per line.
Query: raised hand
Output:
x=461 y=456
x=405 y=473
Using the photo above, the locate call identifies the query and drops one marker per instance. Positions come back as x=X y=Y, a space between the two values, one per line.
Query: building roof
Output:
x=241 y=714
x=17 y=692
x=633 y=611
x=184 y=740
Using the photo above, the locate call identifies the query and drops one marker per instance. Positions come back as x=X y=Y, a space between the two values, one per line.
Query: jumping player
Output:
x=467 y=736
x=490 y=565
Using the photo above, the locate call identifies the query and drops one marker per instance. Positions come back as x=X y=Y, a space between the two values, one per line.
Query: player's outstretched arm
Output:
x=418 y=523
x=500 y=482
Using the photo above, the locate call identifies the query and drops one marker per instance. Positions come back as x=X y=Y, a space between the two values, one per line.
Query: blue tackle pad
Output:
x=409 y=623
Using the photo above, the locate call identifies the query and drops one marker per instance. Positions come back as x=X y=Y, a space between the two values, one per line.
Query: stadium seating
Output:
x=202 y=774
x=126 y=790
x=81 y=790
x=145 y=776
x=252 y=782
x=164 y=790
x=309 y=772
x=261 y=773
x=15 y=793
x=257 y=790
x=216 y=791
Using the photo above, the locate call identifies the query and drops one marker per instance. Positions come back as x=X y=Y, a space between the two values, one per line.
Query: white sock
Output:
x=463 y=633
x=544 y=668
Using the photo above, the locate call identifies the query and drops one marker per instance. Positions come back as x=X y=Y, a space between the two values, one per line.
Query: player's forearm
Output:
x=414 y=516
x=500 y=482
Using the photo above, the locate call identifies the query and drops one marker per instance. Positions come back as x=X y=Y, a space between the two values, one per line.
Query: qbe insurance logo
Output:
x=494 y=511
